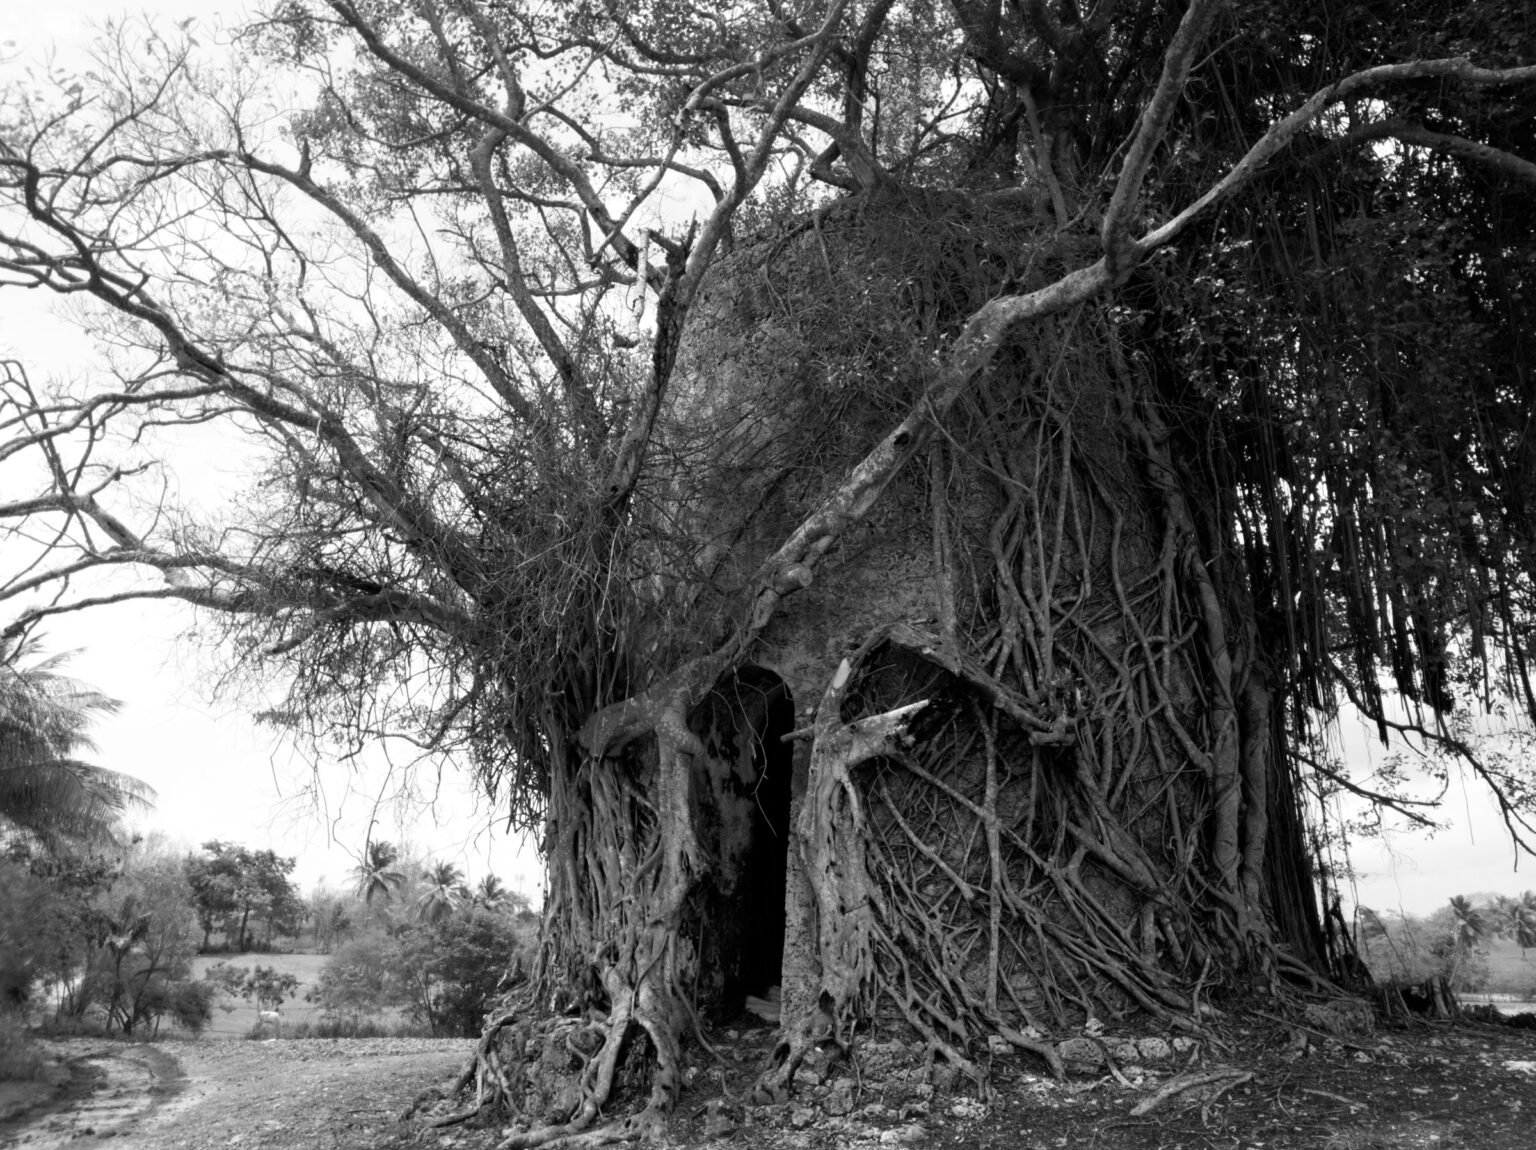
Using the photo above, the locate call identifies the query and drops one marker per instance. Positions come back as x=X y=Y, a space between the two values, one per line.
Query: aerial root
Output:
x=649 y=1123
x=1221 y=1080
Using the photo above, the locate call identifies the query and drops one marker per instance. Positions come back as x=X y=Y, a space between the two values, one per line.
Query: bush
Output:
x=454 y=967
x=352 y=1028
x=359 y=981
x=19 y=1059
x=42 y=924
x=444 y=974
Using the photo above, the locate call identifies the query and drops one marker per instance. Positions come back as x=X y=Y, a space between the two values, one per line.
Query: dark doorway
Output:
x=743 y=821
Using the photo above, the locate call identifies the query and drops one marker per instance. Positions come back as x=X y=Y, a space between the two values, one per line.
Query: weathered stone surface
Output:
x=968 y=1108
x=1345 y=1016
x=839 y=1097
x=720 y=1118
x=1081 y=1054
x=943 y=1076
x=883 y=1059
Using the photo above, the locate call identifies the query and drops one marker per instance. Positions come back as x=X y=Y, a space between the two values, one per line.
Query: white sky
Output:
x=218 y=776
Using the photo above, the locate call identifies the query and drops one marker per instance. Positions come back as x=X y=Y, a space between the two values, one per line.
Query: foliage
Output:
x=50 y=902
x=1456 y=942
x=46 y=790
x=377 y=875
x=231 y=884
x=122 y=940
x=20 y=1059
x=443 y=972
x=266 y=986
x=358 y=982
x=445 y=893
x=452 y=968
x=35 y=930
x=330 y=918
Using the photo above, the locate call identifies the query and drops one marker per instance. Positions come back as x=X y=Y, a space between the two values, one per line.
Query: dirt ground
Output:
x=1265 y=1085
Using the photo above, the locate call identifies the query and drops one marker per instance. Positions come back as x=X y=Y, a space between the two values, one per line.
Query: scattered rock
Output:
x=943 y=1076
x=839 y=1097
x=883 y=1059
x=968 y=1108
x=1155 y=1049
x=1124 y=1050
x=1341 y=1016
x=818 y=1063
x=801 y=1117
x=1081 y=1054
x=908 y=1135
x=720 y=1118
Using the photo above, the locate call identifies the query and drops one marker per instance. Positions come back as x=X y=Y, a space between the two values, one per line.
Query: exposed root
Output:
x=1221 y=1080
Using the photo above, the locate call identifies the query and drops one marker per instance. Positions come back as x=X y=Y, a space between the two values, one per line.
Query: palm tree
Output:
x=490 y=894
x=1525 y=922
x=377 y=873
x=445 y=892
x=47 y=791
x=1469 y=927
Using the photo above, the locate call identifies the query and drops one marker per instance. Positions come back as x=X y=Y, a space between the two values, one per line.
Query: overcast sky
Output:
x=218 y=776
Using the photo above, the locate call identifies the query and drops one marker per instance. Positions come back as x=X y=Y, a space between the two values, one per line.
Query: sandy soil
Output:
x=1471 y=1087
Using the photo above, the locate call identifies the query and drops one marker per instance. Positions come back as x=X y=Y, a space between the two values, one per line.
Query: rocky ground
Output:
x=1260 y=1084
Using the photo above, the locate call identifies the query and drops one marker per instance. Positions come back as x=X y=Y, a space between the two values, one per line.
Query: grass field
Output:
x=234 y=1017
x=1510 y=971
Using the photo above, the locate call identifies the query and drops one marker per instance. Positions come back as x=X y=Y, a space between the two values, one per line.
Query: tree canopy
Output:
x=1043 y=417
x=231 y=883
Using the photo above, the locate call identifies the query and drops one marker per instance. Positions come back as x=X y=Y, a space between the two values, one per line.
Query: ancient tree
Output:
x=933 y=469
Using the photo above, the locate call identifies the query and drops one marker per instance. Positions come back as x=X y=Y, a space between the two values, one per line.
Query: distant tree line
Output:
x=246 y=894
x=100 y=930
x=1476 y=944
x=414 y=939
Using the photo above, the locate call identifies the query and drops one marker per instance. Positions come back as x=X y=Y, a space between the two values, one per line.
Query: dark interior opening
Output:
x=763 y=942
x=744 y=820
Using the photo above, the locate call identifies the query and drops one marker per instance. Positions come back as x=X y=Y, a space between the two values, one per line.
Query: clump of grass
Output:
x=344 y=1028
x=72 y=1027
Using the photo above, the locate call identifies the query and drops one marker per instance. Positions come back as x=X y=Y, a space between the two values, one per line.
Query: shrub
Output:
x=453 y=967
x=19 y=1059
x=332 y=1027
x=360 y=979
x=444 y=974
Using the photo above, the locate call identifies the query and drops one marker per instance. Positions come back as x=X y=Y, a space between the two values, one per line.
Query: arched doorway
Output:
x=741 y=805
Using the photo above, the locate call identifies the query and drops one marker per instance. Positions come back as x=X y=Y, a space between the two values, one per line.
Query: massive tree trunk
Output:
x=1013 y=760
